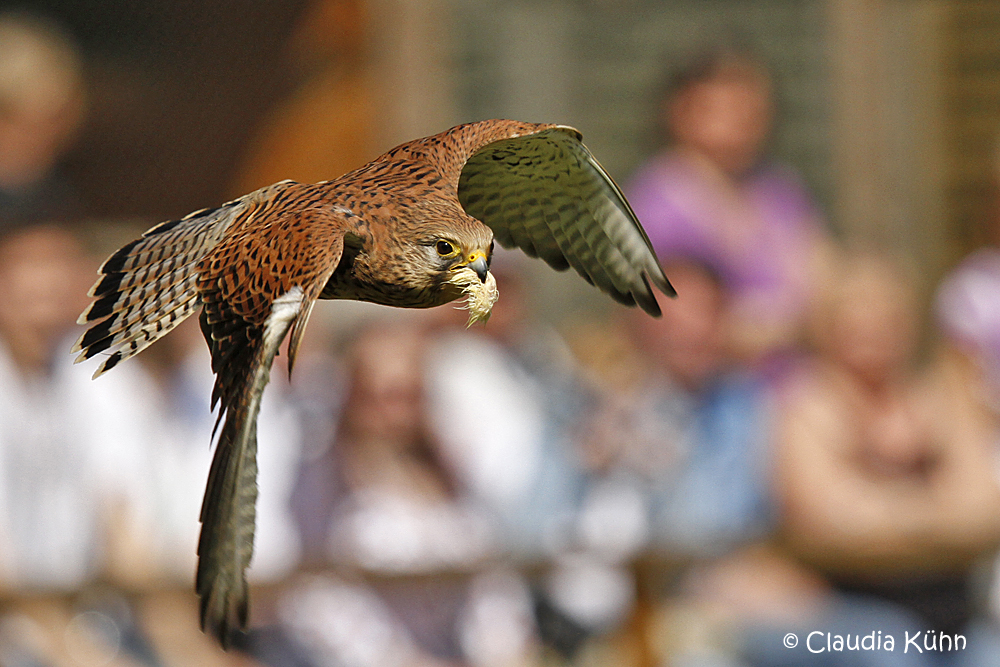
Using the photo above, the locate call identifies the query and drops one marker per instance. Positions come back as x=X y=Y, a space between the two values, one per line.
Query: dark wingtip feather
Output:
x=663 y=283
x=203 y=602
x=111 y=362
x=243 y=611
x=624 y=298
x=559 y=263
x=116 y=262
x=108 y=284
x=646 y=299
x=100 y=308
x=97 y=338
x=670 y=291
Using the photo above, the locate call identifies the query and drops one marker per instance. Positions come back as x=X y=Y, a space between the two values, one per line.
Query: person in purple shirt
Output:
x=712 y=196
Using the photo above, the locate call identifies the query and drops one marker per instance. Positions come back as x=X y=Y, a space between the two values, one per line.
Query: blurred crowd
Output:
x=798 y=443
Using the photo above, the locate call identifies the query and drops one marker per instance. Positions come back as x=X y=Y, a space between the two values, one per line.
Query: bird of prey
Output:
x=414 y=228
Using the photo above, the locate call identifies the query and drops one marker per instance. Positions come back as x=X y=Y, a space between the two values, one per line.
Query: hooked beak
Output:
x=477 y=262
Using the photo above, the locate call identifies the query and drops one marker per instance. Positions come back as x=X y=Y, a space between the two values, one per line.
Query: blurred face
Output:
x=41 y=98
x=872 y=323
x=386 y=394
x=687 y=342
x=31 y=141
x=42 y=290
x=726 y=118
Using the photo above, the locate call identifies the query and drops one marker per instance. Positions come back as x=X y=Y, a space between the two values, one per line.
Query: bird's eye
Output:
x=444 y=248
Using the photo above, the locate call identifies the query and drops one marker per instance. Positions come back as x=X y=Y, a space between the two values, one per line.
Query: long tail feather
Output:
x=228 y=511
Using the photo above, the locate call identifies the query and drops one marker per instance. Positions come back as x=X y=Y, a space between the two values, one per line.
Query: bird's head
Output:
x=464 y=265
x=456 y=256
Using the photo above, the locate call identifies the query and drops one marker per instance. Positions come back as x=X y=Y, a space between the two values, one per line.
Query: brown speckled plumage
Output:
x=383 y=233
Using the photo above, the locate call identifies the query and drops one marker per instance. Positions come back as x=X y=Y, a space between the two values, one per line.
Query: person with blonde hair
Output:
x=42 y=104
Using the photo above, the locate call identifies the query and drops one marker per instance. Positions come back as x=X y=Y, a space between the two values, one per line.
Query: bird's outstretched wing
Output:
x=257 y=285
x=149 y=286
x=546 y=194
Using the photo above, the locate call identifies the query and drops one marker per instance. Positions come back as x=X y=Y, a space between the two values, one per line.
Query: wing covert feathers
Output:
x=546 y=194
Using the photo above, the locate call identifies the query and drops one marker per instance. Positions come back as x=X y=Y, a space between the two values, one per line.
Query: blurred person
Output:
x=391 y=470
x=967 y=310
x=966 y=304
x=968 y=316
x=886 y=498
x=42 y=102
x=94 y=476
x=685 y=421
x=679 y=415
x=527 y=370
x=522 y=464
x=713 y=195
x=67 y=456
x=719 y=413
x=884 y=479
x=664 y=451
x=387 y=503
x=51 y=429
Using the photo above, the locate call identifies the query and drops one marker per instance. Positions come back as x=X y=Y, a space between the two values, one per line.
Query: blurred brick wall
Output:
x=594 y=63
x=972 y=117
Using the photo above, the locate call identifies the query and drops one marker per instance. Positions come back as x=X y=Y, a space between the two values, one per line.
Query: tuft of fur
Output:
x=479 y=296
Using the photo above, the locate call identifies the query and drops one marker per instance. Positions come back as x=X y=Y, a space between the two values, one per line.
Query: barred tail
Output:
x=148 y=287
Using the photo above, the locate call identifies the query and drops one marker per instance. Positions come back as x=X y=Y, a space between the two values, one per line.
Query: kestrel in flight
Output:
x=414 y=228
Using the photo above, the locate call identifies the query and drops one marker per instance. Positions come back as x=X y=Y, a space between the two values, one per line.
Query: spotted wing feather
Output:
x=149 y=286
x=546 y=194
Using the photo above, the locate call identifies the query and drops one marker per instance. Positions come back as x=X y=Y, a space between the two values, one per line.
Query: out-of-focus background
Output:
x=806 y=441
